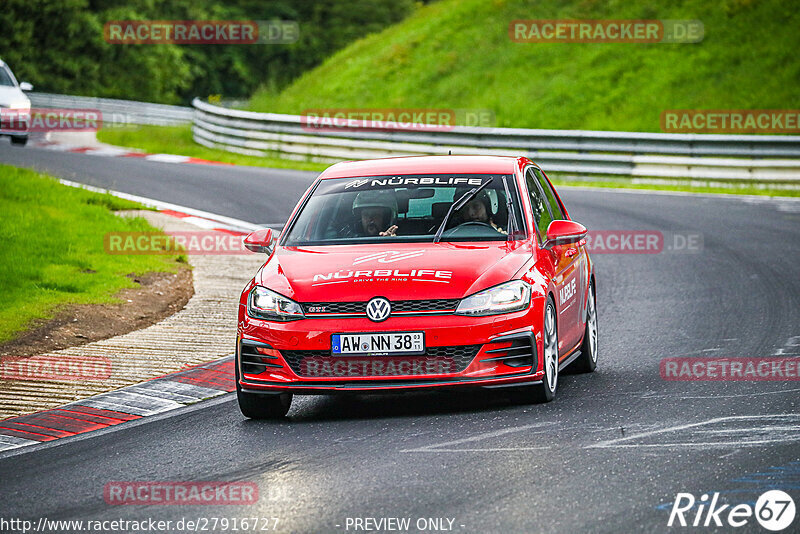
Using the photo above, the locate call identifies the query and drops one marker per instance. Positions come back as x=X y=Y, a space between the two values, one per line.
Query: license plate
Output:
x=378 y=344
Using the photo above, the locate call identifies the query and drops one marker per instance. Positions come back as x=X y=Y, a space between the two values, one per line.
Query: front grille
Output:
x=336 y=307
x=360 y=308
x=424 y=305
x=436 y=360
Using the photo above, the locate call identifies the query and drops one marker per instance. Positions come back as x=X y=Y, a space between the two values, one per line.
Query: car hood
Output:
x=403 y=271
x=13 y=97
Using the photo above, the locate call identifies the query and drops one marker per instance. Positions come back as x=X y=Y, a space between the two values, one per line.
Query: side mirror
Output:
x=564 y=233
x=259 y=241
x=25 y=86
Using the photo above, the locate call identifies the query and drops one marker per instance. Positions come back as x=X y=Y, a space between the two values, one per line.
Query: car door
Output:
x=566 y=260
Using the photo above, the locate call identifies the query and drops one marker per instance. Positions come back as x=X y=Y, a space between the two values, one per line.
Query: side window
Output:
x=555 y=208
x=541 y=214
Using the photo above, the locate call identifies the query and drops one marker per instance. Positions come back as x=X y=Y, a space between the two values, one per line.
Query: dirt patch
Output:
x=158 y=296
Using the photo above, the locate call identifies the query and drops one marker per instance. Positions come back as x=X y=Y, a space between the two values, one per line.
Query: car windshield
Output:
x=408 y=208
x=6 y=80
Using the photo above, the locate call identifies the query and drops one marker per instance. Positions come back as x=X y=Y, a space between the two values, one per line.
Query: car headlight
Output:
x=265 y=304
x=509 y=297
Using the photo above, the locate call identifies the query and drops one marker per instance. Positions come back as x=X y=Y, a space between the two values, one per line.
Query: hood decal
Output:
x=389 y=256
x=382 y=275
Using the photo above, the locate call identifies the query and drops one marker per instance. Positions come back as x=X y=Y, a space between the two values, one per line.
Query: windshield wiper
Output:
x=457 y=205
x=512 y=216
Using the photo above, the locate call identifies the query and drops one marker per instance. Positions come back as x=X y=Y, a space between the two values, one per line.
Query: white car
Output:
x=15 y=106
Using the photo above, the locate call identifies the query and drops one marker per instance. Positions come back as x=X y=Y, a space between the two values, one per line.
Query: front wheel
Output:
x=546 y=391
x=587 y=361
x=19 y=140
x=255 y=406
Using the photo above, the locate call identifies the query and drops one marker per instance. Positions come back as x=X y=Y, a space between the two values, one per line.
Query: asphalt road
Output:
x=609 y=455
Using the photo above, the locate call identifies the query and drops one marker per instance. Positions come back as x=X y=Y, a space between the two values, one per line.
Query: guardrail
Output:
x=701 y=156
x=118 y=112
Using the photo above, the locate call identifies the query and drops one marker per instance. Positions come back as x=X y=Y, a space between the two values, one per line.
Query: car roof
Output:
x=424 y=165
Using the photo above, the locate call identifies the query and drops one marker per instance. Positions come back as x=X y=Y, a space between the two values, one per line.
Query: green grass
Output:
x=456 y=54
x=178 y=140
x=52 y=252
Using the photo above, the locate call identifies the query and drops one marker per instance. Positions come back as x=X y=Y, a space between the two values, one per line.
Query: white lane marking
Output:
x=500 y=449
x=778 y=392
x=106 y=151
x=13 y=442
x=236 y=224
x=794 y=343
x=201 y=222
x=167 y=158
x=439 y=447
x=786 y=428
x=732 y=431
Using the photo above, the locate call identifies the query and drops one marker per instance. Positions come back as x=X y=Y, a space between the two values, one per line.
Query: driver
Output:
x=375 y=212
x=478 y=210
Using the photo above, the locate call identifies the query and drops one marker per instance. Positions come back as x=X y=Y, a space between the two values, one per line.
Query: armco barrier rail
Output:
x=117 y=112
x=700 y=156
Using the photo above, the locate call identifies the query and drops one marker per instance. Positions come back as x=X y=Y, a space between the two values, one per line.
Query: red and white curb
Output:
x=112 y=151
x=130 y=403
x=203 y=219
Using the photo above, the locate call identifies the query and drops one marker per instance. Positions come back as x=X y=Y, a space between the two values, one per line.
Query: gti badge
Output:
x=378 y=309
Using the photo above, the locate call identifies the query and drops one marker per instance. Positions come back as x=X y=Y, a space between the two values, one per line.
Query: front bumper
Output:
x=295 y=357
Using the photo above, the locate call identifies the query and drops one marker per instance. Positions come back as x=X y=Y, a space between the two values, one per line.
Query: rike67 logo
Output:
x=774 y=510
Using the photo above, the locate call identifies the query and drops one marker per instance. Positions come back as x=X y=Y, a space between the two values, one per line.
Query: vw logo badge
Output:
x=378 y=309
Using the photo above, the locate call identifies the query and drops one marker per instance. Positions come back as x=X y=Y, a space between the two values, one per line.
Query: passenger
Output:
x=376 y=213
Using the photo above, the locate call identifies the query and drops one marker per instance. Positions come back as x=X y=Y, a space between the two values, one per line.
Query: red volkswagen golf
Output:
x=419 y=272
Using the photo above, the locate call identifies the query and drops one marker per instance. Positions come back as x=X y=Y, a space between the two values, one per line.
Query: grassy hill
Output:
x=457 y=54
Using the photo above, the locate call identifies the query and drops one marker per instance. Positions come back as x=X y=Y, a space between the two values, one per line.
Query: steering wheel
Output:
x=463 y=229
x=476 y=223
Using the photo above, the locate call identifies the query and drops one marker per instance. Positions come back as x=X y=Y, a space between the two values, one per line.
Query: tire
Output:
x=19 y=140
x=587 y=361
x=546 y=391
x=255 y=406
